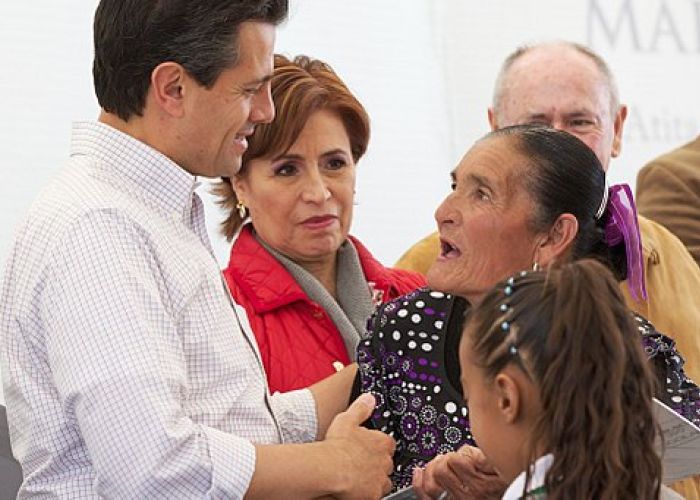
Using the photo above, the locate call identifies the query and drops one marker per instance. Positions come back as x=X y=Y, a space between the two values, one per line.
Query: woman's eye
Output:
x=336 y=163
x=285 y=170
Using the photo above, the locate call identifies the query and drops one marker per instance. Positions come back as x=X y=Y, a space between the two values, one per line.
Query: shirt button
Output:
x=318 y=314
x=654 y=257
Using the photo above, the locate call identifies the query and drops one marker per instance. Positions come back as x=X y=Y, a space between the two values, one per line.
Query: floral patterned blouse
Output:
x=409 y=362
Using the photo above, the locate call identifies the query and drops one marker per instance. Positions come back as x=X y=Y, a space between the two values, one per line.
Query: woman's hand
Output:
x=463 y=474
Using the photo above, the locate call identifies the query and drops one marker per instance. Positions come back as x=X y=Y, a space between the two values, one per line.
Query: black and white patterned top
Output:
x=677 y=391
x=409 y=362
x=402 y=363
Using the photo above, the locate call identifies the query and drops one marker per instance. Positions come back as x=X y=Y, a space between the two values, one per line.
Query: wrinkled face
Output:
x=485 y=420
x=483 y=223
x=221 y=117
x=562 y=88
x=301 y=202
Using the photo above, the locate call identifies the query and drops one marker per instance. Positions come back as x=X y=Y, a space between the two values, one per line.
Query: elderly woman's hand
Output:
x=462 y=474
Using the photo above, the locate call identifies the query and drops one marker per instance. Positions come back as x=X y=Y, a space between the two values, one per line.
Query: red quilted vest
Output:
x=298 y=341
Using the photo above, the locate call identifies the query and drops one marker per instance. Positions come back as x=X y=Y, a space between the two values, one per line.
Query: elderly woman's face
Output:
x=483 y=223
x=301 y=202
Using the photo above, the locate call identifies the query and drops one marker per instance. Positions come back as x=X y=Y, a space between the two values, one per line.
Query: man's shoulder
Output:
x=681 y=162
x=428 y=242
x=655 y=235
x=76 y=210
x=72 y=199
x=421 y=255
x=661 y=245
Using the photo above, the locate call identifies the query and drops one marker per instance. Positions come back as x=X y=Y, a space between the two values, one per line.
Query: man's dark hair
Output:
x=132 y=37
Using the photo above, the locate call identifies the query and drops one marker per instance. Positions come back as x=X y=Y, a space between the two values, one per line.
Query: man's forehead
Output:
x=552 y=93
x=555 y=65
x=571 y=108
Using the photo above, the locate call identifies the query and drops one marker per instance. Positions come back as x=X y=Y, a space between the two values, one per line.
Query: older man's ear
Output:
x=492 y=119
x=556 y=243
x=618 y=125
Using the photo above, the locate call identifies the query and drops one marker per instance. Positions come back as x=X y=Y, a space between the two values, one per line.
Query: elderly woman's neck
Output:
x=473 y=299
x=325 y=271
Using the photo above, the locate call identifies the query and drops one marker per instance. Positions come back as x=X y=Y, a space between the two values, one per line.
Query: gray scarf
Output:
x=354 y=305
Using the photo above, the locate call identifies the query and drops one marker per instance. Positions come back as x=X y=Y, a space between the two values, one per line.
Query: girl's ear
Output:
x=558 y=240
x=508 y=397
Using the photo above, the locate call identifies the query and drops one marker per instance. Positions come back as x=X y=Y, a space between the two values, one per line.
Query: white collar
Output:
x=538 y=471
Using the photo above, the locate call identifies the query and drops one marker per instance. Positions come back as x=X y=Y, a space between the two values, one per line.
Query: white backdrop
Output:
x=424 y=70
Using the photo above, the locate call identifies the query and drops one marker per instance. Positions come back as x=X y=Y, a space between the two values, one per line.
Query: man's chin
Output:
x=232 y=168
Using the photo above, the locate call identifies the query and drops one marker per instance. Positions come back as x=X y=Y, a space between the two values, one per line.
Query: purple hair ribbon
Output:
x=622 y=225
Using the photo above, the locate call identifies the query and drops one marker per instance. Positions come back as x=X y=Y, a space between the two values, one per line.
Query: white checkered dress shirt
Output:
x=126 y=371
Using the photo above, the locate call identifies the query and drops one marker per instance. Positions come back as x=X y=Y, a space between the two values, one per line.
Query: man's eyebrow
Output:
x=537 y=116
x=260 y=81
x=581 y=112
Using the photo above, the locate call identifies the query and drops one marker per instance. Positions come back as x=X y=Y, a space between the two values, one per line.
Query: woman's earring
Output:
x=242 y=210
x=535 y=266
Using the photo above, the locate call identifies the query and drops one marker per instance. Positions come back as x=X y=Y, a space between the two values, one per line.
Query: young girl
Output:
x=558 y=388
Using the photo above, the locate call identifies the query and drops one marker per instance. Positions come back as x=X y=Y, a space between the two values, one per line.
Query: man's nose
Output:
x=263 y=108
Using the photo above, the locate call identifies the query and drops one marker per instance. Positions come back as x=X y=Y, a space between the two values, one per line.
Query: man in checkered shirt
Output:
x=129 y=372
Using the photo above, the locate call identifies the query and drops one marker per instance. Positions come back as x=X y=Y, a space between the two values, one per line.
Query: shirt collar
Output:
x=126 y=160
x=538 y=472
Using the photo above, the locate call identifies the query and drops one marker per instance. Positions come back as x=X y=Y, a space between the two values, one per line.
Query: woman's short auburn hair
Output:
x=299 y=87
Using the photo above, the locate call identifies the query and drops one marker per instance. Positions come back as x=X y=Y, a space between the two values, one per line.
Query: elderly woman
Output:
x=522 y=198
x=307 y=286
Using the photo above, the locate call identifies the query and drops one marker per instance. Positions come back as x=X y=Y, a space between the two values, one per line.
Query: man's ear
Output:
x=169 y=83
x=557 y=241
x=507 y=397
x=618 y=125
x=492 y=119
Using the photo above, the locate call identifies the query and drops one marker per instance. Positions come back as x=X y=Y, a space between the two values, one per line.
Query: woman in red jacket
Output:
x=307 y=286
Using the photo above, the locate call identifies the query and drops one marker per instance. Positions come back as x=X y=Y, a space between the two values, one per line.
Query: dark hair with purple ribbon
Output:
x=567 y=177
x=622 y=227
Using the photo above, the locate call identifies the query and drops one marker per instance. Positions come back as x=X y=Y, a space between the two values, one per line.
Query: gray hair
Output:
x=500 y=86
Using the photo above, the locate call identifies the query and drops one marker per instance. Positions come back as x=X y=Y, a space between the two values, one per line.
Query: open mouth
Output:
x=448 y=250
